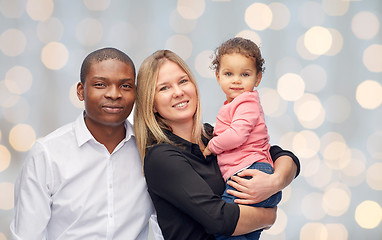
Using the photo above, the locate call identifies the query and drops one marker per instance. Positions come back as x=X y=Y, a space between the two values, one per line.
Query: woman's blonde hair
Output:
x=148 y=126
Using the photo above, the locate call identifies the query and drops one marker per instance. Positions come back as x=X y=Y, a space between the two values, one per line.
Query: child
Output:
x=240 y=136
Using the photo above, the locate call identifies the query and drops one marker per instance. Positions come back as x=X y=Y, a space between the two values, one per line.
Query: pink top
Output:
x=240 y=136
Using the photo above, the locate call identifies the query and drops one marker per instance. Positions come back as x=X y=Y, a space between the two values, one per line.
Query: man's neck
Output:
x=108 y=135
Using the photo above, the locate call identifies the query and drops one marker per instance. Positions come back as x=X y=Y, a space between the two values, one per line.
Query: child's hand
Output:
x=206 y=152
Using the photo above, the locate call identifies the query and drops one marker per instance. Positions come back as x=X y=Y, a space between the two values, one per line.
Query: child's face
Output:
x=237 y=74
x=108 y=92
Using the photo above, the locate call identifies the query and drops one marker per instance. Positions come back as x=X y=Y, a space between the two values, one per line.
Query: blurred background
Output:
x=321 y=90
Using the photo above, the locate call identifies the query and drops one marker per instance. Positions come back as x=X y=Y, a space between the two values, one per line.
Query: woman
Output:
x=184 y=185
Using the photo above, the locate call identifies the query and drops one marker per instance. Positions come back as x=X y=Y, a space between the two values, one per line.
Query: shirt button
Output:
x=110 y=186
x=111 y=215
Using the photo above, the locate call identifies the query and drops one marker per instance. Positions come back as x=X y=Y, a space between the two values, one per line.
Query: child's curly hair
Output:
x=239 y=45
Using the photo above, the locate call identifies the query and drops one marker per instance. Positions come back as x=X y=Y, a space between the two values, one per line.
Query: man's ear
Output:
x=80 y=91
x=258 y=79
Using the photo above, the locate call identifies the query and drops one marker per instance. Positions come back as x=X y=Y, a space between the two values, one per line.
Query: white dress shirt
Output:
x=71 y=187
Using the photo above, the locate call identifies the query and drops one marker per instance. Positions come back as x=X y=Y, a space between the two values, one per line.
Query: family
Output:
x=100 y=177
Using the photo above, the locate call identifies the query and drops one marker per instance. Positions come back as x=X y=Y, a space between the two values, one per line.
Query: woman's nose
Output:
x=178 y=91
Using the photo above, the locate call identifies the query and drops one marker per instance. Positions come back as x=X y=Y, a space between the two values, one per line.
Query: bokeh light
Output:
x=40 y=10
x=203 y=64
x=309 y=111
x=180 y=44
x=372 y=58
x=272 y=103
x=306 y=144
x=18 y=80
x=12 y=9
x=318 y=40
x=22 y=137
x=191 y=9
x=251 y=35
x=89 y=32
x=281 y=15
x=54 y=55
x=313 y=231
x=5 y=158
x=97 y=5
x=12 y=42
x=291 y=86
x=369 y=94
x=368 y=214
x=365 y=25
x=258 y=16
x=7 y=193
x=374 y=176
x=337 y=42
x=335 y=7
x=336 y=199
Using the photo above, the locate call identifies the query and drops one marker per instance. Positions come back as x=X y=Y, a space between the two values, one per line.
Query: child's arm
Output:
x=245 y=114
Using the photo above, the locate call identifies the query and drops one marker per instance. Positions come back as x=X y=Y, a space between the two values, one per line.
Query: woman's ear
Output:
x=80 y=91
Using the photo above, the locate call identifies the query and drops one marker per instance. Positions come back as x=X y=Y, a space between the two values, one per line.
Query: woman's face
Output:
x=175 y=95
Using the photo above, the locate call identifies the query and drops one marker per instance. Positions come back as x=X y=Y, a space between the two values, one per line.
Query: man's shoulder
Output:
x=58 y=134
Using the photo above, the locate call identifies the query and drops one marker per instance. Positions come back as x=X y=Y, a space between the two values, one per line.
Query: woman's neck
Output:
x=183 y=130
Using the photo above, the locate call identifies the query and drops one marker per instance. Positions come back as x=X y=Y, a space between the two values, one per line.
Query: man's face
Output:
x=108 y=92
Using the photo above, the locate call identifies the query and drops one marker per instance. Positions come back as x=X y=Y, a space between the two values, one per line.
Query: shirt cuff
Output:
x=277 y=152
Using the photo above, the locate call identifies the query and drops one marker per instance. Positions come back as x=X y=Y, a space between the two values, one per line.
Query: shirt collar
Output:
x=83 y=134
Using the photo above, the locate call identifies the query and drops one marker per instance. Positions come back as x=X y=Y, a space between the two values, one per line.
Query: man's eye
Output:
x=126 y=86
x=99 y=84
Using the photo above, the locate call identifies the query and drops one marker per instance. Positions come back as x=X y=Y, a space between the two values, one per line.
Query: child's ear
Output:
x=217 y=76
x=258 y=79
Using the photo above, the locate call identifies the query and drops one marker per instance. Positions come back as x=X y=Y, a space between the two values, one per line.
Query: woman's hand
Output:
x=262 y=185
x=249 y=191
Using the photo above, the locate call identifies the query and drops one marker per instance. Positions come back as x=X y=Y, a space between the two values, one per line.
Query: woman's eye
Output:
x=183 y=81
x=163 y=88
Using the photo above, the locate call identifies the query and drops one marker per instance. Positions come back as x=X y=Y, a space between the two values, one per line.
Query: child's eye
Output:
x=245 y=74
x=228 y=74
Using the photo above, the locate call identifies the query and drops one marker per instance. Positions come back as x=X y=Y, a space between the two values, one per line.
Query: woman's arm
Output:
x=254 y=218
x=262 y=185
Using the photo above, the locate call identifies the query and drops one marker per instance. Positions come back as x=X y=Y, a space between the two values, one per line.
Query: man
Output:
x=84 y=180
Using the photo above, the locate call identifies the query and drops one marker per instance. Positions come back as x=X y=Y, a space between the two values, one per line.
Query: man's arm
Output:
x=32 y=199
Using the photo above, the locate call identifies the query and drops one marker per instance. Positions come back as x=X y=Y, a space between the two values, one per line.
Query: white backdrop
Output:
x=321 y=90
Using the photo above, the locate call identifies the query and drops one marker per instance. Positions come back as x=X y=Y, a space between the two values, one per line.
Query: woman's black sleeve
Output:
x=277 y=152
